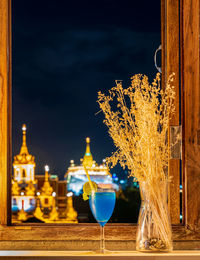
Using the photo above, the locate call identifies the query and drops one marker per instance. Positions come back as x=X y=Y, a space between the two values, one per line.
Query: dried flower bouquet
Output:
x=139 y=129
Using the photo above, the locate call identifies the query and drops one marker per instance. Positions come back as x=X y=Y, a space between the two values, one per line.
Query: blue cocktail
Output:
x=102 y=204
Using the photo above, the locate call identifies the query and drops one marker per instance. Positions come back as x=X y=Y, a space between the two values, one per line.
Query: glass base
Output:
x=154 y=251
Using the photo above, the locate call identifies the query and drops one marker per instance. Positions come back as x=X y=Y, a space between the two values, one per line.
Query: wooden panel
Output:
x=5 y=110
x=89 y=245
x=115 y=232
x=191 y=85
x=68 y=232
x=170 y=64
x=85 y=237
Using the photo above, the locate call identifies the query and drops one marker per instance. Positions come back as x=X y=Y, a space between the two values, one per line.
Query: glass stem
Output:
x=102 y=240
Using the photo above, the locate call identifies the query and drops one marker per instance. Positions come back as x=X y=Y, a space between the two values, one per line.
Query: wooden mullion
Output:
x=9 y=162
x=170 y=49
x=5 y=110
x=182 y=112
x=191 y=87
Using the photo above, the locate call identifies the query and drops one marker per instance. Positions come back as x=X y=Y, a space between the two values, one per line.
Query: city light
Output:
x=69 y=194
x=46 y=167
x=24 y=128
x=122 y=181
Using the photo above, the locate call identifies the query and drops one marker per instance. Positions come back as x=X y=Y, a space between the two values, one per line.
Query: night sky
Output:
x=64 y=52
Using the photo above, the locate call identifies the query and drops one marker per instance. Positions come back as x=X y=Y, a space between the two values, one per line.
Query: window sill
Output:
x=84 y=237
x=177 y=255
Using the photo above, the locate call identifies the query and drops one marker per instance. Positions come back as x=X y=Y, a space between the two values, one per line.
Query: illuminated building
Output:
x=40 y=197
x=24 y=182
x=76 y=176
x=46 y=197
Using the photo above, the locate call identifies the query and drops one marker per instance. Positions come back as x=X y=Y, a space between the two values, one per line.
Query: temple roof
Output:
x=24 y=157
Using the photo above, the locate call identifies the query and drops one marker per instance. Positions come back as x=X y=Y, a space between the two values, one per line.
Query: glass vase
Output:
x=154 y=231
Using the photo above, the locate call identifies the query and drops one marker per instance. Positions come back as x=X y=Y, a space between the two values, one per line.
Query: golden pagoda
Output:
x=23 y=183
x=48 y=211
x=76 y=175
x=46 y=196
x=24 y=163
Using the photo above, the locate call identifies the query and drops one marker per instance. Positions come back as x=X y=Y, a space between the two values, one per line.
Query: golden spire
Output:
x=46 y=167
x=24 y=149
x=88 y=159
x=24 y=157
x=47 y=189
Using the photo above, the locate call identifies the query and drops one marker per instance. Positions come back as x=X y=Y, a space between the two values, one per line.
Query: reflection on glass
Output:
x=77 y=54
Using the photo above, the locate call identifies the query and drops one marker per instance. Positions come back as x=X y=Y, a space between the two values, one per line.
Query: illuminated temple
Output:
x=76 y=176
x=38 y=198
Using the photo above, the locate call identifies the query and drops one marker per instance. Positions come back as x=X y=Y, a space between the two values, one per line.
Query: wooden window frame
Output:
x=180 y=54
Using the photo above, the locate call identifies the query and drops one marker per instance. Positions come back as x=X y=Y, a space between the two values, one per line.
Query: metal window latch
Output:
x=155 y=59
x=176 y=142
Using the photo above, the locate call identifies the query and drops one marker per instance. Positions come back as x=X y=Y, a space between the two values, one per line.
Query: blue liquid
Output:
x=102 y=205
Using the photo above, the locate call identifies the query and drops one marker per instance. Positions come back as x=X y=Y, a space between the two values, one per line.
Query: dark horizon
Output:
x=63 y=54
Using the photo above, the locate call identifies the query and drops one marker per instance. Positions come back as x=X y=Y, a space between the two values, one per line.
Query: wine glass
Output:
x=102 y=204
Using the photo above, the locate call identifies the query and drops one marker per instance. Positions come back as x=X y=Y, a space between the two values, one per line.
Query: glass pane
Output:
x=64 y=53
